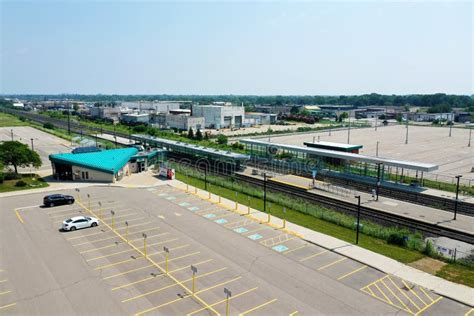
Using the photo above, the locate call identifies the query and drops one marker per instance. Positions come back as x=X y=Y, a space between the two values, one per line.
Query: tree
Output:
x=199 y=135
x=343 y=116
x=190 y=133
x=222 y=139
x=17 y=155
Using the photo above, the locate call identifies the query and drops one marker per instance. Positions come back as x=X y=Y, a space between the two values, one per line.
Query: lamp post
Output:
x=377 y=149
x=451 y=122
x=144 y=243
x=228 y=294
x=349 y=131
x=194 y=270
x=264 y=192
x=89 y=200
x=470 y=132
x=100 y=210
x=406 y=135
x=167 y=251
x=376 y=121
x=457 y=194
x=358 y=218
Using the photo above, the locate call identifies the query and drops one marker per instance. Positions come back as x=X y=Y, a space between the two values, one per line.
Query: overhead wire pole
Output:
x=68 y=121
x=451 y=122
x=358 y=218
x=264 y=192
x=470 y=132
x=457 y=195
x=349 y=131
x=406 y=136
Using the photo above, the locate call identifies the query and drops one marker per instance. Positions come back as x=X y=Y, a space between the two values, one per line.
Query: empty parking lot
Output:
x=106 y=270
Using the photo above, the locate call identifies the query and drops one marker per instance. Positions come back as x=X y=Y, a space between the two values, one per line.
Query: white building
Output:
x=217 y=117
x=136 y=118
x=155 y=106
x=184 y=122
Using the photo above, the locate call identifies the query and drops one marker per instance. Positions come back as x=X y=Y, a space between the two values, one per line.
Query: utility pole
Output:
x=376 y=119
x=378 y=182
x=265 y=192
x=349 y=131
x=457 y=194
x=406 y=137
x=470 y=132
x=205 y=177
x=451 y=122
x=377 y=149
x=358 y=218
x=115 y=136
x=68 y=121
x=11 y=131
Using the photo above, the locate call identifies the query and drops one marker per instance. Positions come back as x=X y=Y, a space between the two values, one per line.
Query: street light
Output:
x=457 y=194
x=167 y=251
x=377 y=150
x=470 y=132
x=264 y=192
x=194 y=270
x=100 y=210
x=144 y=243
x=228 y=294
x=89 y=200
x=205 y=178
x=358 y=218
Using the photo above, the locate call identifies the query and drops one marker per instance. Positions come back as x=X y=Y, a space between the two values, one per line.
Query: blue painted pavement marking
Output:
x=210 y=215
x=184 y=204
x=280 y=248
x=193 y=208
x=255 y=236
x=241 y=230
x=221 y=221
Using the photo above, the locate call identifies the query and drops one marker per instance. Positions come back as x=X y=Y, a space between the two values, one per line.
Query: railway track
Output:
x=375 y=215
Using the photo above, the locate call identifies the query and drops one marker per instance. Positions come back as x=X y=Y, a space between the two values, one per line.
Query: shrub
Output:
x=48 y=125
x=20 y=183
x=429 y=249
x=222 y=139
x=11 y=176
x=2 y=176
x=397 y=239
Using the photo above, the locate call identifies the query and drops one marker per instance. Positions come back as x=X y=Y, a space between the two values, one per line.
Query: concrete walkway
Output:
x=458 y=292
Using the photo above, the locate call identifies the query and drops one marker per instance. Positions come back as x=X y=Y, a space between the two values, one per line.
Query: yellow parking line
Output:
x=331 y=264
x=128 y=250
x=126 y=272
x=413 y=292
x=255 y=230
x=400 y=290
x=102 y=219
x=6 y=292
x=258 y=307
x=368 y=285
x=3 y=281
x=314 y=255
x=6 y=306
x=19 y=216
x=136 y=282
x=293 y=314
x=161 y=305
x=117 y=263
x=406 y=308
x=112 y=237
x=87 y=235
x=351 y=273
x=469 y=312
x=434 y=302
x=294 y=249
x=218 y=285
x=115 y=245
x=383 y=293
x=426 y=294
x=222 y=301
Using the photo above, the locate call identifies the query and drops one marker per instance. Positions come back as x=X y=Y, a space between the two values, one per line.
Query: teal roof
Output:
x=110 y=161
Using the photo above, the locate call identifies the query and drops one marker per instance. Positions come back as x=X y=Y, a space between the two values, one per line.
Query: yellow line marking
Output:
x=3 y=281
x=331 y=264
x=19 y=216
x=258 y=307
x=351 y=273
x=469 y=312
x=103 y=218
x=426 y=294
x=294 y=249
x=112 y=237
x=101 y=232
x=217 y=285
x=398 y=298
x=400 y=290
x=255 y=230
x=124 y=251
x=293 y=314
x=136 y=282
x=371 y=292
x=434 y=302
x=314 y=255
x=413 y=292
x=6 y=306
x=139 y=251
x=159 y=306
x=127 y=272
x=368 y=285
x=383 y=293
x=6 y=292
x=222 y=301
x=115 y=245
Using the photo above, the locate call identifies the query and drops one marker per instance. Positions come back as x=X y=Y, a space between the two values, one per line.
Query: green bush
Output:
x=222 y=139
x=20 y=183
x=429 y=249
x=48 y=125
x=11 y=176
x=2 y=177
x=397 y=239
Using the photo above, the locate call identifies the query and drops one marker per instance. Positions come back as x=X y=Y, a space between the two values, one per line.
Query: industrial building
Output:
x=254 y=118
x=102 y=166
x=184 y=122
x=135 y=118
x=216 y=116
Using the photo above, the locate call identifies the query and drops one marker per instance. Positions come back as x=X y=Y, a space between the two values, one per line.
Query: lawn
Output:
x=32 y=182
x=10 y=120
x=457 y=273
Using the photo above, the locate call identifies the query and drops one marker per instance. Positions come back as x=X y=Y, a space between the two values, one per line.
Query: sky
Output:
x=259 y=48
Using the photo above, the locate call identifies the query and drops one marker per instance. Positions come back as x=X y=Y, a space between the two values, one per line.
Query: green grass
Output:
x=33 y=182
x=374 y=244
x=10 y=120
x=457 y=273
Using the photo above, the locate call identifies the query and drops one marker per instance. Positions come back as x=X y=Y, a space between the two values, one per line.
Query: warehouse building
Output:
x=217 y=116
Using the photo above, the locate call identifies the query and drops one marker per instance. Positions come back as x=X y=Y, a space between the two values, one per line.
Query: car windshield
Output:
x=88 y=218
x=69 y=220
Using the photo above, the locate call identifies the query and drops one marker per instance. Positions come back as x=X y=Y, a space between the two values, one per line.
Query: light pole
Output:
x=358 y=218
x=470 y=132
x=144 y=243
x=194 y=270
x=167 y=251
x=457 y=194
x=11 y=131
x=349 y=131
x=284 y=217
x=100 y=211
x=451 y=122
x=205 y=178
x=89 y=200
x=406 y=136
x=228 y=294
x=264 y=192
x=376 y=121
x=378 y=182
x=377 y=150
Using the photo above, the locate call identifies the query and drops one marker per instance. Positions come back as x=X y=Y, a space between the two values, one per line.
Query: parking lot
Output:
x=166 y=251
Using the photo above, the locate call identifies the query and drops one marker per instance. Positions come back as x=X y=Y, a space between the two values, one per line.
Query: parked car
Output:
x=79 y=222
x=57 y=199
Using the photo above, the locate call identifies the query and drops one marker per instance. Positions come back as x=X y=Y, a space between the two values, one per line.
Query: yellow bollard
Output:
x=248 y=210
x=144 y=246
x=187 y=188
x=195 y=190
x=194 y=283
x=209 y=195
x=284 y=223
x=268 y=221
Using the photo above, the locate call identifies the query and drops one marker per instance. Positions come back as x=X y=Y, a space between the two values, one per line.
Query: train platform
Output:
x=426 y=214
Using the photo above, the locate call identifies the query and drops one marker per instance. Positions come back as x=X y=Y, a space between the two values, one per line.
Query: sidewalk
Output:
x=458 y=292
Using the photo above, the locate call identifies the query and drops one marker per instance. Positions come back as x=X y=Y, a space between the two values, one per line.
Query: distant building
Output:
x=261 y=118
x=155 y=106
x=105 y=112
x=429 y=117
x=135 y=118
x=462 y=117
x=184 y=122
x=217 y=117
x=18 y=105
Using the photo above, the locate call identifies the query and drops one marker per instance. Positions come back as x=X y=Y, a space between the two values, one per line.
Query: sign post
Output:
x=194 y=270
x=167 y=251
x=126 y=232
x=228 y=294
x=144 y=243
x=113 y=219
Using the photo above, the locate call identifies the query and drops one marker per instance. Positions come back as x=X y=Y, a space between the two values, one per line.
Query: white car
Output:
x=79 y=222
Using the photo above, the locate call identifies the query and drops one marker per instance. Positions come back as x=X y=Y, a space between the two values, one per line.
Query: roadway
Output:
x=104 y=270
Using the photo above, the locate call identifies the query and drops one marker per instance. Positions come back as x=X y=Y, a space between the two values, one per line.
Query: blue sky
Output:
x=313 y=48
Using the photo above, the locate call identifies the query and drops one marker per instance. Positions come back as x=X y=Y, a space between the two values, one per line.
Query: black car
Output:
x=57 y=199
